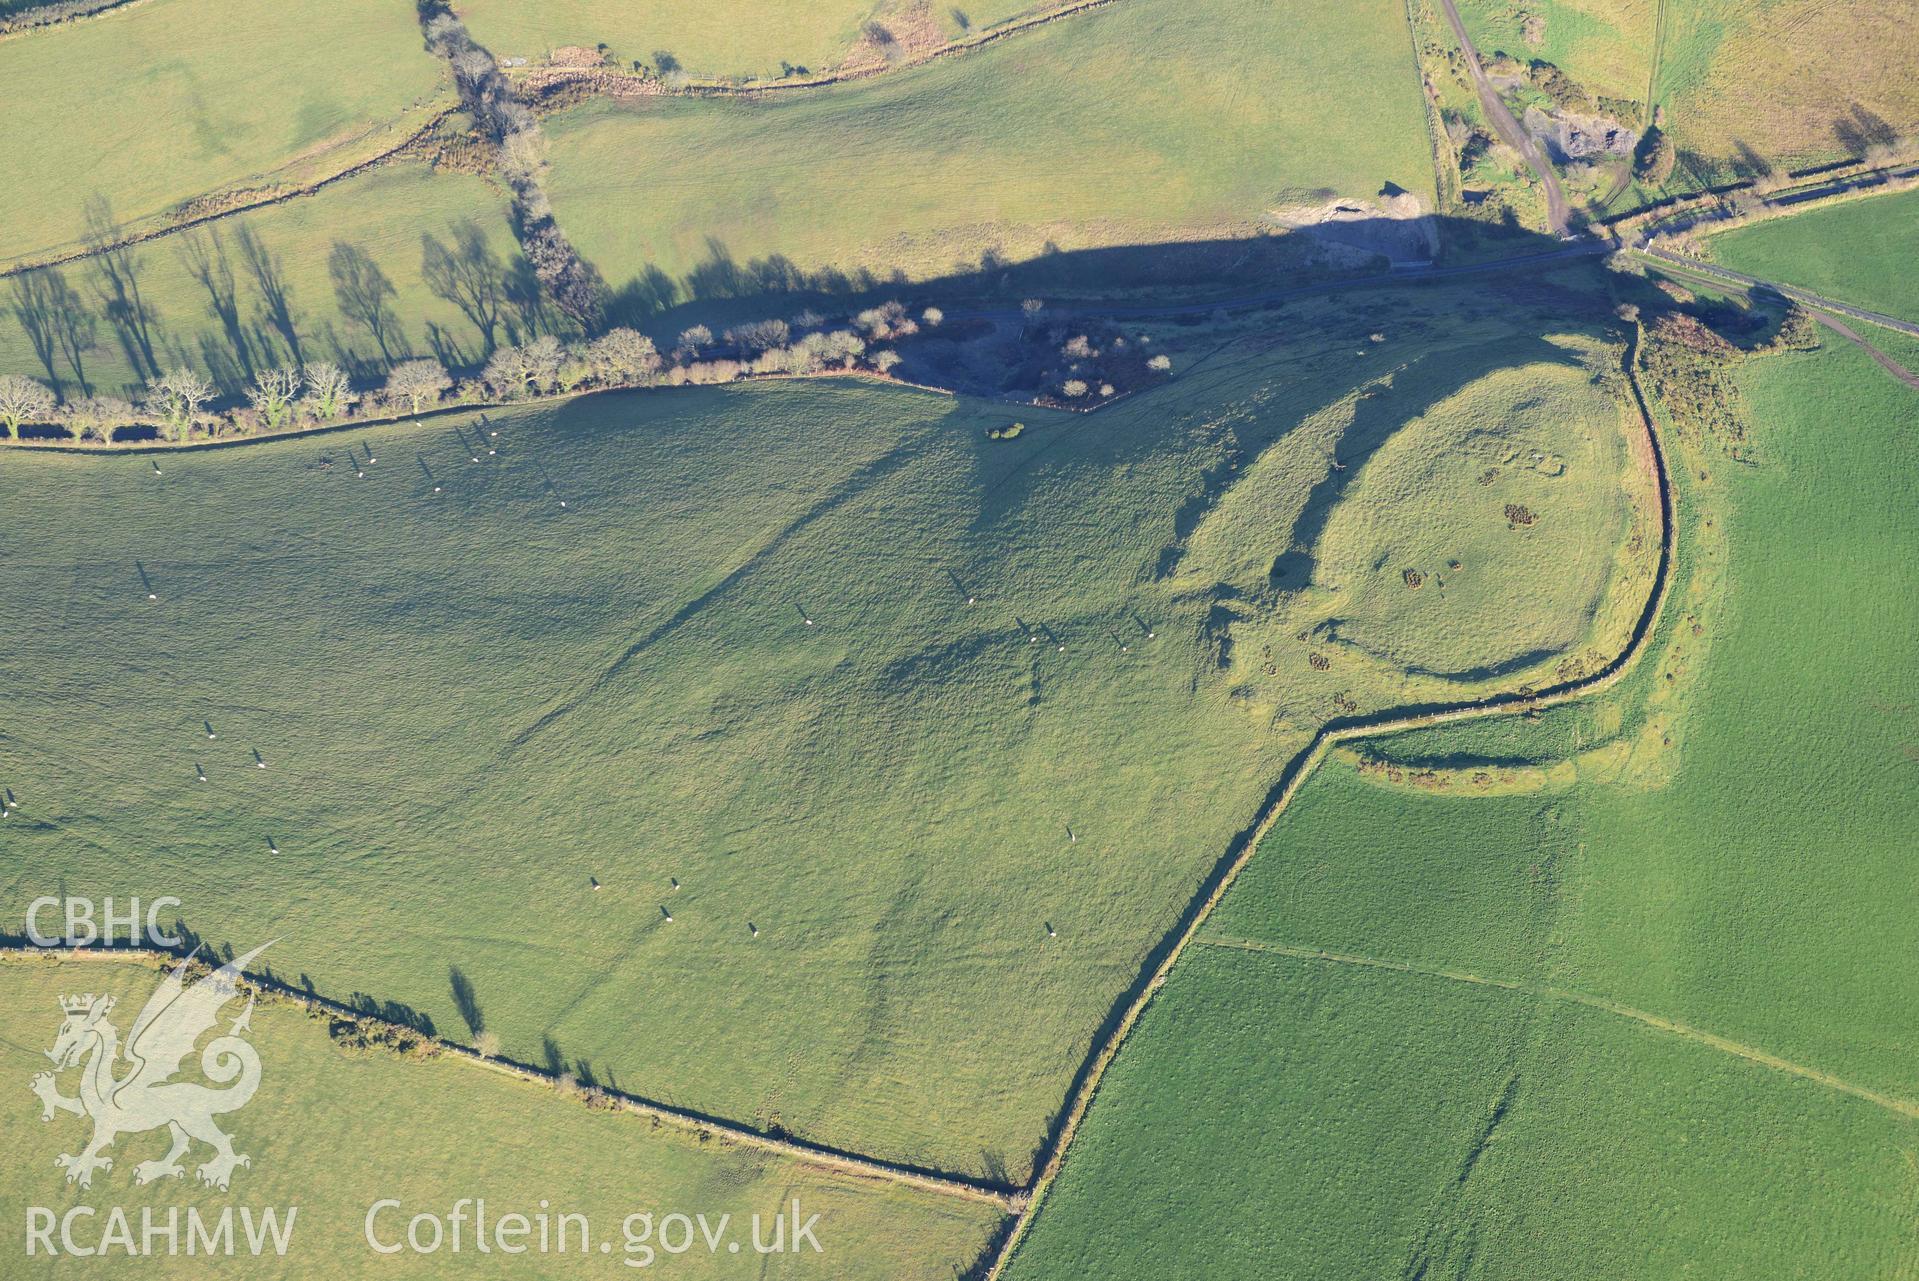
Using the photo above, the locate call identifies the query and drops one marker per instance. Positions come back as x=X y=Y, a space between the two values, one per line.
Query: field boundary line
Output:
x=432 y=122
x=1687 y=1031
x=686 y=1119
x=1128 y=312
x=601 y=82
x=17 y=28
x=1444 y=193
x=1241 y=851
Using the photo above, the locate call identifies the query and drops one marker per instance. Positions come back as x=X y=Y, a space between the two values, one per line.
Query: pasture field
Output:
x=1606 y=45
x=332 y=1131
x=1857 y=251
x=164 y=102
x=872 y=879
x=1625 y=911
x=258 y=289
x=1288 y=1116
x=754 y=39
x=1063 y=141
x=1789 y=82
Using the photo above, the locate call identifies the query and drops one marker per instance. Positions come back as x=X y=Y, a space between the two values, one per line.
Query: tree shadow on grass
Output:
x=466 y=1002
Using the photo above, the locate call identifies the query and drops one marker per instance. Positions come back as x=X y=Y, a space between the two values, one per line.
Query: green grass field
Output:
x=1281 y=1116
x=1795 y=82
x=1856 y=251
x=381 y=214
x=836 y=758
x=721 y=40
x=1133 y=124
x=1606 y=45
x=1741 y=884
x=332 y=1131
x=901 y=798
x=171 y=100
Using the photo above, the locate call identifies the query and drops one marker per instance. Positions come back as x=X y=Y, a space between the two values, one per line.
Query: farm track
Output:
x=1445 y=161
x=1689 y=213
x=1885 y=362
x=1267 y=297
x=1144 y=311
x=1726 y=275
x=1508 y=127
x=1240 y=852
x=1752 y=1054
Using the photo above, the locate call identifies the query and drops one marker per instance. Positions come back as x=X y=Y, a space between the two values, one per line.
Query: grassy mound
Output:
x=1138 y=123
x=429 y=1132
x=171 y=100
x=1540 y=453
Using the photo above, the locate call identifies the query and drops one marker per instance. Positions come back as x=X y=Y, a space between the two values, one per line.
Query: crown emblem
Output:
x=78 y=1004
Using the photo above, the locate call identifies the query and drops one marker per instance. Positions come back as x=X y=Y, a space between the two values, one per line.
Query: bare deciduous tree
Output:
x=692 y=342
x=272 y=395
x=844 y=346
x=98 y=416
x=505 y=375
x=888 y=320
x=759 y=335
x=418 y=383
x=22 y=400
x=176 y=398
x=543 y=356
x=329 y=393
x=623 y=355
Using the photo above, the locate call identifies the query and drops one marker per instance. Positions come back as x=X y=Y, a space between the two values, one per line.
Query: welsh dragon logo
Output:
x=143 y=1096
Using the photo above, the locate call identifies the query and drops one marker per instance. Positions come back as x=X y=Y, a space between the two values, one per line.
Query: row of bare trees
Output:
x=520 y=154
x=180 y=403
